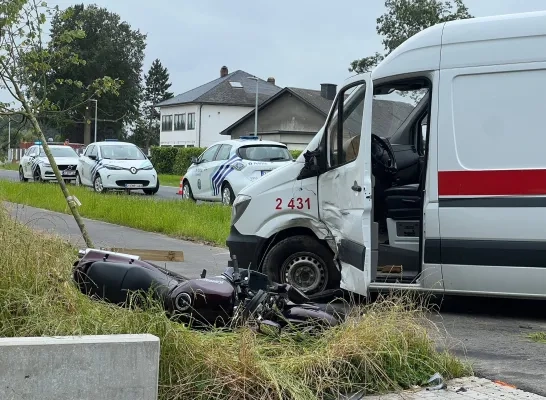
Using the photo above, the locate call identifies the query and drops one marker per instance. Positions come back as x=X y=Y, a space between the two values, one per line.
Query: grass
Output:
x=539 y=337
x=386 y=348
x=10 y=166
x=169 y=180
x=207 y=223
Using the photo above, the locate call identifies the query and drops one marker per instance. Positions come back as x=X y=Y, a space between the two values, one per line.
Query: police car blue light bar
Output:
x=38 y=142
x=249 y=137
x=110 y=140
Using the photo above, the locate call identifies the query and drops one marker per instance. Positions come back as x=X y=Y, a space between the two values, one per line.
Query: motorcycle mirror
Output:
x=269 y=328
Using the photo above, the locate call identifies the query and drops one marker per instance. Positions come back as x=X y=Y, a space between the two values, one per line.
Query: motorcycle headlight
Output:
x=239 y=206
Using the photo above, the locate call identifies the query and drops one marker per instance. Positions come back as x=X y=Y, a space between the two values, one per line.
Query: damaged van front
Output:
x=276 y=225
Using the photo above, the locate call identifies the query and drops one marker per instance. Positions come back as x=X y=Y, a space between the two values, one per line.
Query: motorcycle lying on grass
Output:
x=235 y=297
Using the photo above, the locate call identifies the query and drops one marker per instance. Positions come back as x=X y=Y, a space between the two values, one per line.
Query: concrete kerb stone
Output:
x=105 y=367
x=470 y=388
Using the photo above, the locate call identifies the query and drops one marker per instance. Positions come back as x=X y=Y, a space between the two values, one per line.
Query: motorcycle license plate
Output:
x=133 y=185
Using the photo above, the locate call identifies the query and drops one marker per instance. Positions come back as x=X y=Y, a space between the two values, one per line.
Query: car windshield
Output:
x=265 y=153
x=60 y=152
x=121 y=152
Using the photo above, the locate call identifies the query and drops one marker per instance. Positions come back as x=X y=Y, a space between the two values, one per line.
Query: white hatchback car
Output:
x=226 y=167
x=34 y=164
x=113 y=165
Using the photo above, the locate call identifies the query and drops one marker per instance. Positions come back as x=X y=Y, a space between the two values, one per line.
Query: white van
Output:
x=454 y=195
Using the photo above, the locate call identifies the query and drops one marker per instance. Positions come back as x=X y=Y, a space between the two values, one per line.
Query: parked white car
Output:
x=113 y=165
x=35 y=164
x=226 y=167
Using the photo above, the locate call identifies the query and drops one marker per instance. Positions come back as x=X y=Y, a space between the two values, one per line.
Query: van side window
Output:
x=344 y=137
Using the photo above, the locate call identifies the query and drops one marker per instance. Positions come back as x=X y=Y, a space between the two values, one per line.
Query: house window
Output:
x=179 y=122
x=191 y=121
x=167 y=123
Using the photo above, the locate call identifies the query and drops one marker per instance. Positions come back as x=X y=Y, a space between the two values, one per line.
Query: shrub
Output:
x=163 y=158
x=295 y=153
x=183 y=159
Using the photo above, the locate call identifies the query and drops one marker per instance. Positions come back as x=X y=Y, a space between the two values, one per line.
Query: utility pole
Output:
x=254 y=78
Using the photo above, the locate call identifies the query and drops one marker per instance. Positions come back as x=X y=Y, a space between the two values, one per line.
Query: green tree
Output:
x=156 y=90
x=27 y=63
x=405 y=18
x=110 y=47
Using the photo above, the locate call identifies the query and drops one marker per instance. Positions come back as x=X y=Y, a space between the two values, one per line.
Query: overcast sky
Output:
x=301 y=43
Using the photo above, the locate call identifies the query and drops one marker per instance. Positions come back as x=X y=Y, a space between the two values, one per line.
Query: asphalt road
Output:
x=490 y=333
x=196 y=256
x=165 y=192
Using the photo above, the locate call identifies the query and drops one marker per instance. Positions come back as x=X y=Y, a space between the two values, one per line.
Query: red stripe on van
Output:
x=519 y=182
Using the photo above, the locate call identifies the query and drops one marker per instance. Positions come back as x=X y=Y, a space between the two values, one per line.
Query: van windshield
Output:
x=391 y=110
x=264 y=153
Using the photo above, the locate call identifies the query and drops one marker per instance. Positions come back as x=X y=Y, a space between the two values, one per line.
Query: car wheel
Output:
x=227 y=194
x=151 y=192
x=304 y=263
x=22 y=175
x=37 y=175
x=97 y=184
x=186 y=192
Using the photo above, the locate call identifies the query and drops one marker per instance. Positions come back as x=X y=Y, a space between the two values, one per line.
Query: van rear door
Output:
x=345 y=186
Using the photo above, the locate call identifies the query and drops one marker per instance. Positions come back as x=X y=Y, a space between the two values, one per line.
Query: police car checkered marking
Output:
x=222 y=172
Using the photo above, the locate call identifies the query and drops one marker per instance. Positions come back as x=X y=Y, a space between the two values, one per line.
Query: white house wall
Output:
x=180 y=137
x=214 y=119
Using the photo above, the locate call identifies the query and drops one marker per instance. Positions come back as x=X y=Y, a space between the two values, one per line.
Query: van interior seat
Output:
x=403 y=202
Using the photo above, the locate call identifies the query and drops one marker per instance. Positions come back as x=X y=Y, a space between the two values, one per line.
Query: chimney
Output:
x=223 y=71
x=271 y=80
x=328 y=90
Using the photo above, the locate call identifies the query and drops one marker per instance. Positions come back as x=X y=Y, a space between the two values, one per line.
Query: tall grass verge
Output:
x=386 y=348
x=182 y=219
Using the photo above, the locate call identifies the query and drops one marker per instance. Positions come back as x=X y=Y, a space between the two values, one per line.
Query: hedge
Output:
x=177 y=160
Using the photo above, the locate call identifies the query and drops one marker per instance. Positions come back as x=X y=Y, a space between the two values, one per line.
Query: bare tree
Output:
x=25 y=63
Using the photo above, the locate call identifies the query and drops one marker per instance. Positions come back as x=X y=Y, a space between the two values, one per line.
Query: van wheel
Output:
x=303 y=262
x=22 y=175
x=227 y=194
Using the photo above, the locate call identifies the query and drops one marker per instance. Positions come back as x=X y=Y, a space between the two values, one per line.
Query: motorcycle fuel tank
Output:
x=210 y=301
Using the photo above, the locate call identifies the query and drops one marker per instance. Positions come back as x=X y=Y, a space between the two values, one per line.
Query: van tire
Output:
x=302 y=254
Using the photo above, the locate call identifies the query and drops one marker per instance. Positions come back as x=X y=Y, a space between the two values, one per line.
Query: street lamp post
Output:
x=9 y=139
x=96 y=107
x=256 y=109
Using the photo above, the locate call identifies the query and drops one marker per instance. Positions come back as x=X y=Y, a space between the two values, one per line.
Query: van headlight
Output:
x=239 y=206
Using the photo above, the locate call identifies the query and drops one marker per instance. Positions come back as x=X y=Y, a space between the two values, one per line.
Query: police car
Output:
x=35 y=164
x=226 y=167
x=113 y=165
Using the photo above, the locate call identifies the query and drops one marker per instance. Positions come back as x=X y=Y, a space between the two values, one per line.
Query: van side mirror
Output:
x=311 y=166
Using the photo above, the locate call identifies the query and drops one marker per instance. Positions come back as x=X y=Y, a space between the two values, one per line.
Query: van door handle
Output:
x=356 y=187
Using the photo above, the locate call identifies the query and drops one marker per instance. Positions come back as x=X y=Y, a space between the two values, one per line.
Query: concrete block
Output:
x=109 y=367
